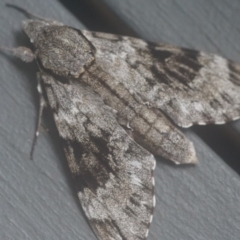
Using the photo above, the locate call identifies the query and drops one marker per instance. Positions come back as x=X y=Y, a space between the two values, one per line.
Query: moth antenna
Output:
x=41 y=107
x=24 y=11
x=31 y=15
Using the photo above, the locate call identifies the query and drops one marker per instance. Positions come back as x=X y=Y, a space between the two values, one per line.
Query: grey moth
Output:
x=117 y=101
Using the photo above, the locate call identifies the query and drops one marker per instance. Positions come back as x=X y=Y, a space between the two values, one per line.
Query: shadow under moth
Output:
x=117 y=101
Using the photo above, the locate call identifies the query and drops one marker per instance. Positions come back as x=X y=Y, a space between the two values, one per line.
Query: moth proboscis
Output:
x=117 y=101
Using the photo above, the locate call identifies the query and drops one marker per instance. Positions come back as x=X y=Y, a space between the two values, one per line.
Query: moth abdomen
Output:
x=150 y=127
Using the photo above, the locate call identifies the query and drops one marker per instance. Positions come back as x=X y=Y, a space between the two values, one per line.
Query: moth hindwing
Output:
x=116 y=102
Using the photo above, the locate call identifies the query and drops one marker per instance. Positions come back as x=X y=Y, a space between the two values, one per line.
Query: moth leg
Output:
x=129 y=127
x=42 y=105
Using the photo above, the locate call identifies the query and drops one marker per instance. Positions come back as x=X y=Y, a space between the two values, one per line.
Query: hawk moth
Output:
x=110 y=94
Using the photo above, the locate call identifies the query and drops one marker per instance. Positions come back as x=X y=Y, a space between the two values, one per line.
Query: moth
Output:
x=117 y=101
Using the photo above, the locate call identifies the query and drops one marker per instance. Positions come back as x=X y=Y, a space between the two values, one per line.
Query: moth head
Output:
x=60 y=49
x=33 y=28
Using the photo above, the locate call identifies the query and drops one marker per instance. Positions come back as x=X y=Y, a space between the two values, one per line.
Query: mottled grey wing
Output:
x=191 y=87
x=113 y=174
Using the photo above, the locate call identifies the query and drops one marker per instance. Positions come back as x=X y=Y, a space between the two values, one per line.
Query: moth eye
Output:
x=44 y=32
